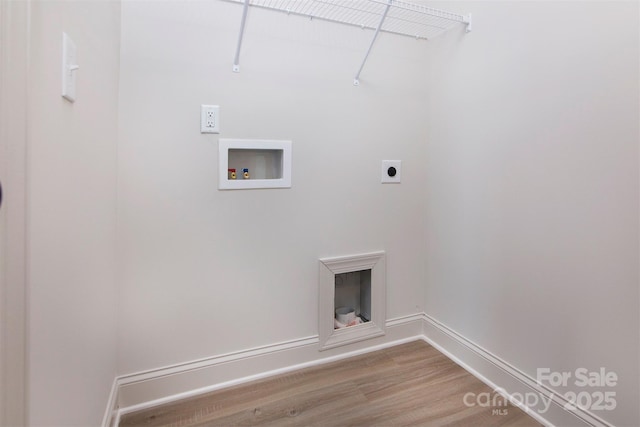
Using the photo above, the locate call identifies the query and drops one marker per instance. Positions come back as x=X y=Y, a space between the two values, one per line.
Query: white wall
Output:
x=206 y=272
x=14 y=38
x=532 y=187
x=519 y=193
x=72 y=216
x=520 y=187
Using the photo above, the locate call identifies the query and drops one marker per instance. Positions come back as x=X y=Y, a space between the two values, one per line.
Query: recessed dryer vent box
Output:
x=355 y=283
x=256 y=163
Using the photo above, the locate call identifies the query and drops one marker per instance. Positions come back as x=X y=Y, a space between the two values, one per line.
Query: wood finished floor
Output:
x=408 y=385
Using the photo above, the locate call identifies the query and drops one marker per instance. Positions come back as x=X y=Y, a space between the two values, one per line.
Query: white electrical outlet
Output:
x=209 y=119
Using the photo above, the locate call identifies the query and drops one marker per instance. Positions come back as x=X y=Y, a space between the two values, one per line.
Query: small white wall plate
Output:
x=391 y=171
x=69 y=68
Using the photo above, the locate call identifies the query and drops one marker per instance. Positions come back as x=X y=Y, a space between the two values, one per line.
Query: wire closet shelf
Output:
x=389 y=16
x=403 y=18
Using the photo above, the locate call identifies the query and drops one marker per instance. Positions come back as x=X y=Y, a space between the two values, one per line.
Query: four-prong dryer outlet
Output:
x=391 y=171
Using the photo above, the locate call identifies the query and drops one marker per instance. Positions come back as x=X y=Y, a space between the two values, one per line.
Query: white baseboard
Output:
x=146 y=389
x=110 y=415
x=515 y=385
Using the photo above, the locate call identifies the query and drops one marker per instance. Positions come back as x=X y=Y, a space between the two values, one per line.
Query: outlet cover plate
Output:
x=209 y=119
x=391 y=171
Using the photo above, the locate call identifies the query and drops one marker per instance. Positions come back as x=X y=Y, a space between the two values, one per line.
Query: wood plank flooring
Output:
x=408 y=385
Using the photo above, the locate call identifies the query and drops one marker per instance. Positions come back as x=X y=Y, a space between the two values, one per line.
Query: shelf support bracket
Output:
x=236 y=61
x=356 y=80
x=467 y=20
